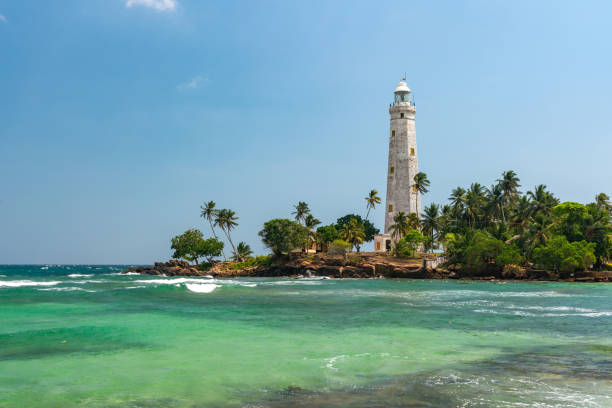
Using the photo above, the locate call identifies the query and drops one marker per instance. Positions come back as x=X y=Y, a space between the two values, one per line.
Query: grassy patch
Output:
x=253 y=262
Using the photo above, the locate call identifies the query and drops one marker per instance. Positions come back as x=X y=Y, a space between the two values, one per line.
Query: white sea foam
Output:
x=78 y=275
x=201 y=287
x=172 y=281
x=44 y=267
x=121 y=274
x=68 y=289
x=20 y=283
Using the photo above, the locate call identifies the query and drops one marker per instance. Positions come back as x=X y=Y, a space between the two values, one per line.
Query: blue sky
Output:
x=119 y=117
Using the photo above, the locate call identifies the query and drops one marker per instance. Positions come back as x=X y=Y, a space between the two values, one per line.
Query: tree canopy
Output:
x=283 y=235
x=192 y=246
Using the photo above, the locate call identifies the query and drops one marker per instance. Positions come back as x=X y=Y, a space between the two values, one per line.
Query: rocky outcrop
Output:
x=366 y=265
x=170 y=268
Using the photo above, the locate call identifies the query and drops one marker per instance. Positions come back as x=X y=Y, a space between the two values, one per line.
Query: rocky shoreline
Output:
x=365 y=265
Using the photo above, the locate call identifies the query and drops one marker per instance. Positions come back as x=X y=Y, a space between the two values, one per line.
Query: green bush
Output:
x=257 y=261
x=282 y=235
x=338 y=247
x=559 y=254
x=406 y=247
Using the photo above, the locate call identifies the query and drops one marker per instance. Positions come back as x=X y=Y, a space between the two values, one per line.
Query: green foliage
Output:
x=353 y=232
x=569 y=219
x=283 y=235
x=242 y=252
x=369 y=228
x=560 y=254
x=327 y=234
x=253 y=262
x=478 y=250
x=407 y=246
x=191 y=246
x=338 y=247
x=483 y=251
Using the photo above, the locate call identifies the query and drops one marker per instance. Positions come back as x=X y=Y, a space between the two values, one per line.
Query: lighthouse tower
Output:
x=402 y=194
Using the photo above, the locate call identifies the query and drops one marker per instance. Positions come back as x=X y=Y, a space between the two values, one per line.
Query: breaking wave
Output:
x=20 y=283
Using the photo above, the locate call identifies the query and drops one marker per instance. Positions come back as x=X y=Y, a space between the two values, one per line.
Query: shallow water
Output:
x=84 y=336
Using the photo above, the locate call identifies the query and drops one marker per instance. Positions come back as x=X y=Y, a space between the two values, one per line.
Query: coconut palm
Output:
x=226 y=220
x=209 y=212
x=495 y=201
x=413 y=221
x=421 y=182
x=603 y=201
x=243 y=251
x=371 y=200
x=521 y=214
x=431 y=222
x=301 y=211
x=400 y=226
x=542 y=201
x=474 y=200
x=311 y=222
x=353 y=233
x=509 y=184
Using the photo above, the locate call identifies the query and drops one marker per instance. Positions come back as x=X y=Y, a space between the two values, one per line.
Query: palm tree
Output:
x=539 y=232
x=301 y=211
x=400 y=226
x=457 y=199
x=509 y=184
x=226 y=220
x=431 y=222
x=413 y=221
x=420 y=185
x=209 y=212
x=542 y=200
x=495 y=201
x=310 y=222
x=372 y=199
x=353 y=233
x=243 y=251
x=521 y=214
x=603 y=201
x=474 y=199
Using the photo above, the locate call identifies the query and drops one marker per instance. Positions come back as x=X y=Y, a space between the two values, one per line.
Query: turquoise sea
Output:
x=85 y=336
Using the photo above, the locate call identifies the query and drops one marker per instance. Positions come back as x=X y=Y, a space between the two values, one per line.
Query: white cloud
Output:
x=3 y=19
x=194 y=83
x=161 y=5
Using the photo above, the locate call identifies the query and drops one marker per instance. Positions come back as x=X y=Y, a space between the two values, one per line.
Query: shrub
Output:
x=559 y=254
x=406 y=247
x=338 y=247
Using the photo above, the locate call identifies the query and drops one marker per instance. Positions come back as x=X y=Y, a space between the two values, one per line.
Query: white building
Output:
x=402 y=194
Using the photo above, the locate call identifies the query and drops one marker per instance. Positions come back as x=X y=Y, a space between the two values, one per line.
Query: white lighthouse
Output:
x=402 y=195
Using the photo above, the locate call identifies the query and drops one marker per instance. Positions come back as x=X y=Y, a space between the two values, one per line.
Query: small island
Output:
x=494 y=233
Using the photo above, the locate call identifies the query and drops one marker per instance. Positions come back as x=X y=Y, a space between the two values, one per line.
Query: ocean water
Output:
x=85 y=336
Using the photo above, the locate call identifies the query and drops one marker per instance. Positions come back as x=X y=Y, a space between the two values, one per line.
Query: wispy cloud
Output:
x=194 y=83
x=3 y=19
x=160 y=5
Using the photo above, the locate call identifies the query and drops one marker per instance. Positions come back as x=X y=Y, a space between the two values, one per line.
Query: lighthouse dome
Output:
x=402 y=87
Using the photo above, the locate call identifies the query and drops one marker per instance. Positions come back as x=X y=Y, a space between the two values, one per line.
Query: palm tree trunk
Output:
x=232 y=244
x=368 y=213
x=215 y=235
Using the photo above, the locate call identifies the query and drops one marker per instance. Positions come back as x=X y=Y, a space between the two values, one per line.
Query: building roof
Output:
x=402 y=87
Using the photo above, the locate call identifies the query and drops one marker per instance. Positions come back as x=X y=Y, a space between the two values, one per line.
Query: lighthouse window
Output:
x=393 y=133
x=401 y=115
x=392 y=170
x=390 y=207
x=412 y=151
